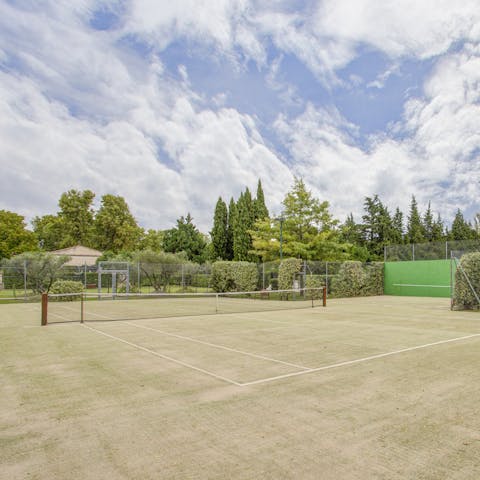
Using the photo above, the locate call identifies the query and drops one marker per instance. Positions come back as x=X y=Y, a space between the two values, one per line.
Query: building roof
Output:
x=79 y=254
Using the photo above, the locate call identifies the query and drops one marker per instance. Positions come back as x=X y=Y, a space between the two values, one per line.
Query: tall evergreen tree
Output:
x=350 y=231
x=219 y=231
x=260 y=209
x=461 y=229
x=438 y=230
x=377 y=228
x=397 y=227
x=414 y=226
x=242 y=240
x=232 y=222
x=428 y=224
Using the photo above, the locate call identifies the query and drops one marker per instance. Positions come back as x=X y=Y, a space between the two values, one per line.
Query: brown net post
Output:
x=44 y=308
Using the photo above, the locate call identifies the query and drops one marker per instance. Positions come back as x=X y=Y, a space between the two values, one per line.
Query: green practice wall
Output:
x=425 y=278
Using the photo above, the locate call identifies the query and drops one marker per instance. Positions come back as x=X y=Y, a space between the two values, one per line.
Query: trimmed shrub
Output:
x=350 y=281
x=67 y=286
x=463 y=297
x=287 y=271
x=375 y=278
x=234 y=276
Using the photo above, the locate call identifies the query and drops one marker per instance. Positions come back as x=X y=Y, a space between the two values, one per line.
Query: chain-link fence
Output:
x=428 y=251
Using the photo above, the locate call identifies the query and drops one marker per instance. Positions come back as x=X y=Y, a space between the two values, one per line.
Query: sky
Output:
x=173 y=104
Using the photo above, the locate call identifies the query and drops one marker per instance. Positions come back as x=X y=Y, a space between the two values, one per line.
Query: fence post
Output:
x=413 y=251
x=446 y=250
x=25 y=279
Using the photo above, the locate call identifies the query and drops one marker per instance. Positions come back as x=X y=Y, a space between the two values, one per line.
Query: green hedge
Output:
x=463 y=296
x=66 y=286
x=355 y=279
x=288 y=270
x=234 y=276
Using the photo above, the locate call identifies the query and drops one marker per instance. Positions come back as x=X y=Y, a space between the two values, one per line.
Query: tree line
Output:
x=243 y=230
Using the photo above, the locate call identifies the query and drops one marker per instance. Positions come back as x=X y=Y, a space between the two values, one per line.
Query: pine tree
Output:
x=428 y=224
x=397 y=227
x=414 y=226
x=219 y=231
x=260 y=209
x=377 y=228
x=461 y=229
x=438 y=230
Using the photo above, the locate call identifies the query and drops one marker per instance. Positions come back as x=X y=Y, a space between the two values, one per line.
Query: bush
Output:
x=234 y=276
x=350 y=281
x=287 y=271
x=355 y=279
x=67 y=286
x=463 y=297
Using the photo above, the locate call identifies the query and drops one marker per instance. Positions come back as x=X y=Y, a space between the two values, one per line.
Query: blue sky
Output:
x=173 y=105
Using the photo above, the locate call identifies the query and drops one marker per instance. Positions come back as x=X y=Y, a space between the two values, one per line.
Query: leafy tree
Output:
x=152 y=240
x=14 y=236
x=414 y=226
x=76 y=216
x=42 y=269
x=186 y=238
x=159 y=267
x=219 y=233
x=115 y=227
x=461 y=229
x=260 y=209
x=49 y=232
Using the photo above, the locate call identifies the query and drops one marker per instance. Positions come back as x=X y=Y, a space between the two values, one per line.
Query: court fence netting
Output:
x=89 y=307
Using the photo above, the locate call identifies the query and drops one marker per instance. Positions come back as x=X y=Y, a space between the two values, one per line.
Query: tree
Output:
x=14 y=236
x=428 y=224
x=397 y=227
x=232 y=221
x=49 y=232
x=414 y=226
x=438 y=230
x=76 y=215
x=242 y=240
x=152 y=240
x=377 y=228
x=219 y=233
x=159 y=267
x=259 y=207
x=42 y=269
x=350 y=231
x=186 y=238
x=461 y=229
x=115 y=227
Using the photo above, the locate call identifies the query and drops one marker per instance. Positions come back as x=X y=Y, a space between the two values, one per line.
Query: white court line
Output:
x=358 y=360
x=166 y=357
x=222 y=347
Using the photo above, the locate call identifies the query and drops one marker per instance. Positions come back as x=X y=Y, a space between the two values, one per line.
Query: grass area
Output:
x=367 y=388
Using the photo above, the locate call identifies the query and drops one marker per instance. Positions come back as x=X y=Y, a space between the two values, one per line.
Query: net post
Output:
x=324 y=296
x=82 y=310
x=44 y=309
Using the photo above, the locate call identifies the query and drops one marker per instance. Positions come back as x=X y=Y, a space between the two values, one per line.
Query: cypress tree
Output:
x=260 y=209
x=219 y=231
x=242 y=241
x=232 y=222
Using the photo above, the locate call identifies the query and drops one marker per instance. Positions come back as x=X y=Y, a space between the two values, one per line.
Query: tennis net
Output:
x=88 y=307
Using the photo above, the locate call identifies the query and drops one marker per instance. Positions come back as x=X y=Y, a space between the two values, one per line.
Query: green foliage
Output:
x=49 y=232
x=66 y=286
x=219 y=233
x=461 y=230
x=355 y=279
x=287 y=271
x=463 y=296
x=76 y=215
x=186 y=238
x=234 y=276
x=414 y=227
x=259 y=207
x=115 y=227
x=42 y=269
x=152 y=240
x=159 y=267
x=14 y=237
x=245 y=218
x=314 y=281
x=232 y=222
x=350 y=281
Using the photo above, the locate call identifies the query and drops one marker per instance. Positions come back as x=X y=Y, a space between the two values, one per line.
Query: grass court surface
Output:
x=367 y=388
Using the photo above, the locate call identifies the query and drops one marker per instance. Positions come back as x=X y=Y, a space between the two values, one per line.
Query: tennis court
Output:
x=379 y=387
